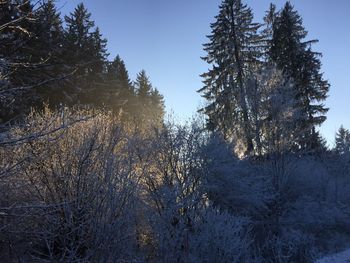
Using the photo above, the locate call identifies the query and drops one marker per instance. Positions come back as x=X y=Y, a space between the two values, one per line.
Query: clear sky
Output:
x=165 y=38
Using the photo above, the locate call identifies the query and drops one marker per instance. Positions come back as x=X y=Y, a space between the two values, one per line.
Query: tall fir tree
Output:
x=120 y=91
x=47 y=48
x=16 y=22
x=342 y=141
x=150 y=102
x=86 y=53
x=294 y=56
x=267 y=32
x=143 y=85
x=234 y=51
x=158 y=107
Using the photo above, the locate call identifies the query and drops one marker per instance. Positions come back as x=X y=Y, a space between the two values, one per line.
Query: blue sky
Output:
x=165 y=38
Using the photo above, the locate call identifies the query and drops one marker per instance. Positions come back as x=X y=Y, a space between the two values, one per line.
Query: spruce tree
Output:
x=46 y=48
x=120 y=92
x=85 y=53
x=16 y=22
x=116 y=70
x=143 y=85
x=342 y=141
x=233 y=51
x=294 y=56
x=158 y=107
x=143 y=90
x=150 y=102
x=269 y=20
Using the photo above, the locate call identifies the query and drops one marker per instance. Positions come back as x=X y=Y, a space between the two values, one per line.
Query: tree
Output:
x=234 y=49
x=120 y=92
x=86 y=53
x=269 y=20
x=158 y=108
x=16 y=19
x=46 y=47
x=150 y=101
x=342 y=141
x=294 y=56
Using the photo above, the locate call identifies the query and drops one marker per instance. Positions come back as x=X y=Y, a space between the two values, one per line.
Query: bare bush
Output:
x=72 y=193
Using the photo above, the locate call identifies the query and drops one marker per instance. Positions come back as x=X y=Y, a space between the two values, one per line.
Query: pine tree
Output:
x=150 y=102
x=267 y=32
x=233 y=51
x=143 y=85
x=26 y=52
x=342 y=141
x=86 y=53
x=143 y=90
x=117 y=71
x=46 y=48
x=294 y=56
x=16 y=19
x=158 y=108
x=121 y=97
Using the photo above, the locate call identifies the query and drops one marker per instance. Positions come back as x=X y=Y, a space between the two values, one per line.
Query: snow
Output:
x=342 y=257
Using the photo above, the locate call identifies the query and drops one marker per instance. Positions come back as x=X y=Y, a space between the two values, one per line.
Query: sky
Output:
x=165 y=37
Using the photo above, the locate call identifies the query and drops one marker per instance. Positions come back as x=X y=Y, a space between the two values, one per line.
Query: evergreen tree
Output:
x=47 y=49
x=267 y=32
x=16 y=19
x=120 y=91
x=86 y=53
x=234 y=51
x=150 y=102
x=143 y=90
x=158 y=108
x=342 y=141
x=117 y=71
x=294 y=56
x=143 y=85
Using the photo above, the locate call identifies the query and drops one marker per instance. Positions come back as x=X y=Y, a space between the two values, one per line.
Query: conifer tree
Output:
x=143 y=90
x=150 y=102
x=16 y=19
x=85 y=52
x=46 y=47
x=233 y=51
x=120 y=91
x=117 y=71
x=143 y=85
x=294 y=56
x=267 y=32
x=158 y=108
x=342 y=141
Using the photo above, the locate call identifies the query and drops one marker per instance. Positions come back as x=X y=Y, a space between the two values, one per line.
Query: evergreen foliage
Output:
x=46 y=61
x=85 y=52
x=233 y=52
x=295 y=57
x=91 y=172
x=342 y=141
x=240 y=54
x=120 y=92
x=149 y=99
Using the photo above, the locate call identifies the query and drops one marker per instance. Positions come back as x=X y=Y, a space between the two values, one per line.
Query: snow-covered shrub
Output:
x=171 y=185
x=291 y=245
x=75 y=188
x=221 y=237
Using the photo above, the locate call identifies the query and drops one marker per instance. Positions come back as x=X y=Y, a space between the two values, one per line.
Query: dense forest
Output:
x=92 y=171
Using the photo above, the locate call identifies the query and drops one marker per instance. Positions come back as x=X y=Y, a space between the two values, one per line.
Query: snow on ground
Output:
x=343 y=257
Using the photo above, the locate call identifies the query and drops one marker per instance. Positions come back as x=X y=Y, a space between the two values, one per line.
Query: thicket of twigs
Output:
x=80 y=186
